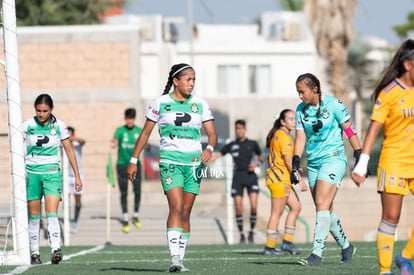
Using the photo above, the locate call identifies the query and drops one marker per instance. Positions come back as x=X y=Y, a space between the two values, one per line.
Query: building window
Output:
x=259 y=79
x=228 y=79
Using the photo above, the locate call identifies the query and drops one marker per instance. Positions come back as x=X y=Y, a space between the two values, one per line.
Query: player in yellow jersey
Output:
x=393 y=110
x=280 y=145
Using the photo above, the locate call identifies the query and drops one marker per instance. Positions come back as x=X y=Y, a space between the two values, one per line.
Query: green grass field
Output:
x=200 y=259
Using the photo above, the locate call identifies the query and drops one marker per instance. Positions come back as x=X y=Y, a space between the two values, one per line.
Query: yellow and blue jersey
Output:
x=394 y=108
x=280 y=146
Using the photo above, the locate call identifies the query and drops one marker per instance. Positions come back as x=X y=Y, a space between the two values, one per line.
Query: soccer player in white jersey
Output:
x=320 y=121
x=180 y=116
x=44 y=134
x=77 y=143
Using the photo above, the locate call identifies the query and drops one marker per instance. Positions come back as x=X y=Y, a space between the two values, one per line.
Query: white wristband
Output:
x=133 y=160
x=210 y=147
x=362 y=166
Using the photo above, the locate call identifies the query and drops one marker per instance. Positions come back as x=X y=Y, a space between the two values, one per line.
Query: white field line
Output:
x=21 y=269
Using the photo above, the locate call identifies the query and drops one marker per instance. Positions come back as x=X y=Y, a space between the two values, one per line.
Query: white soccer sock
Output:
x=53 y=230
x=34 y=232
x=185 y=237
x=126 y=218
x=173 y=238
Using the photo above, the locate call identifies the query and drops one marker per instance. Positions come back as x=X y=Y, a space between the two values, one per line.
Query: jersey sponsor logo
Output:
x=181 y=118
x=42 y=140
x=317 y=126
x=408 y=112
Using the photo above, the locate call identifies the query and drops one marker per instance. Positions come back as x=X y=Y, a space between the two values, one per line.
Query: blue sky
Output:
x=372 y=17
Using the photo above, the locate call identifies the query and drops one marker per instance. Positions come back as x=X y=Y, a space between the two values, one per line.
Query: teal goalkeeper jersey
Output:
x=42 y=145
x=179 y=125
x=324 y=132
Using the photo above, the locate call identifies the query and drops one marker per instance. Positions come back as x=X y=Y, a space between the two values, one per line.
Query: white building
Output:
x=243 y=71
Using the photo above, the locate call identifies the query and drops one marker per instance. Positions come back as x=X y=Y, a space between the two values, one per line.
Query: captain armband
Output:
x=349 y=132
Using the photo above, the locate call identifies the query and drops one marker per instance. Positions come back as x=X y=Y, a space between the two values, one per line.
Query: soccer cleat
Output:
x=404 y=264
x=35 y=259
x=289 y=247
x=136 y=222
x=176 y=265
x=242 y=239
x=183 y=268
x=56 y=256
x=250 y=238
x=272 y=251
x=125 y=227
x=347 y=254
x=74 y=226
x=311 y=260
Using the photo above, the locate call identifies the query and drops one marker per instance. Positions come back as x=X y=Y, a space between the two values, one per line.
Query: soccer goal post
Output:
x=20 y=254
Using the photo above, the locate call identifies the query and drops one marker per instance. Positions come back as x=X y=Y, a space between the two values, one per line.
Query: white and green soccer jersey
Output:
x=179 y=125
x=324 y=132
x=42 y=145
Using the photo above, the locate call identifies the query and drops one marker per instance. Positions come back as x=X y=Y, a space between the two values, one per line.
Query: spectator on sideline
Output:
x=124 y=138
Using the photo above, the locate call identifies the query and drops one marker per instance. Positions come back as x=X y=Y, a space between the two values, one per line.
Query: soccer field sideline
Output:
x=201 y=259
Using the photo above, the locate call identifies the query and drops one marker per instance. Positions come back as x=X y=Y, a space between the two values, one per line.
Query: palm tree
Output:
x=331 y=22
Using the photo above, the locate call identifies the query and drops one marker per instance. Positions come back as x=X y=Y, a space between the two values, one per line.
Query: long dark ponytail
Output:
x=176 y=71
x=276 y=125
x=396 y=67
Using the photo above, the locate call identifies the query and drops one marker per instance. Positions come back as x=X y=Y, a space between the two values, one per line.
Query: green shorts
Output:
x=186 y=176
x=38 y=185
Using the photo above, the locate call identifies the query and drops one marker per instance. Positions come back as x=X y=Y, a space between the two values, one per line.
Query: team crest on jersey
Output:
x=194 y=108
x=168 y=180
x=194 y=159
x=378 y=103
x=325 y=114
x=53 y=131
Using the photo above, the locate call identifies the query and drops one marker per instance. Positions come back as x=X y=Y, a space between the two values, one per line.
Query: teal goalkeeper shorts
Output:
x=331 y=169
x=186 y=176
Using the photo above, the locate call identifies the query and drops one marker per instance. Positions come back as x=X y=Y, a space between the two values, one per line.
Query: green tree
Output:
x=68 y=12
x=401 y=30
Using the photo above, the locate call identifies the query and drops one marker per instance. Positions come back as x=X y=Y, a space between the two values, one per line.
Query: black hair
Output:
x=311 y=81
x=130 y=113
x=45 y=99
x=240 y=122
x=276 y=125
x=396 y=68
x=176 y=71
x=70 y=128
